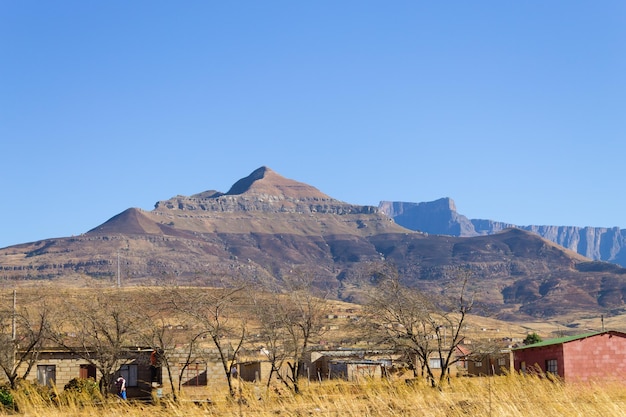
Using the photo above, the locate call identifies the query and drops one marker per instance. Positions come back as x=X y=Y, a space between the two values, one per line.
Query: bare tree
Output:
x=423 y=326
x=193 y=352
x=269 y=312
x=23 y=331
x=291 y=319
x=217 y=315
x=156 y=331
x=167 y=331
x=99 y=330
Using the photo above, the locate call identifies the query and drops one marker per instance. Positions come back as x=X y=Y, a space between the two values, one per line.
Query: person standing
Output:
x=120 y=383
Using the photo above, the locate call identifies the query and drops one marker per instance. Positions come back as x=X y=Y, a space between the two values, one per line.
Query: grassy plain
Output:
x=511 y=395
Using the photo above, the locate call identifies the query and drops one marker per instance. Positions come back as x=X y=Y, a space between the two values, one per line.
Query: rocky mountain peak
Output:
x=265 y=181
x=266 y=191
x=436 y=217
x=246 y=183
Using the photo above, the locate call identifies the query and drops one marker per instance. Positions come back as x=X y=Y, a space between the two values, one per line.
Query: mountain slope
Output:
x=267 y=227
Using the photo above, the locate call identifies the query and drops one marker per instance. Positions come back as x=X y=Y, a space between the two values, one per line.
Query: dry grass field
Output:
x=511 y=395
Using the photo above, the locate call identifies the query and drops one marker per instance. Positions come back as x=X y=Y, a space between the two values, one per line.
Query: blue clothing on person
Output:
x=120 y=383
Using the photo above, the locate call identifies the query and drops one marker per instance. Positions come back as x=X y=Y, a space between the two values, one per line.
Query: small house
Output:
x=585 y=357
x=254 y=370
x=349 y=364
x=459 y=361
x=354 y=370
x=490 y=363
x=58 y=366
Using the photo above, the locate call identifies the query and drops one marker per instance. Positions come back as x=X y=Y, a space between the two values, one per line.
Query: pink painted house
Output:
x=585 y=357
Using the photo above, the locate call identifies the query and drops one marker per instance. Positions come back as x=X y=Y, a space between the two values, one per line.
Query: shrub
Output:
x=6 y=397
x=87 y=385
x=532 y=338
x=81 y=391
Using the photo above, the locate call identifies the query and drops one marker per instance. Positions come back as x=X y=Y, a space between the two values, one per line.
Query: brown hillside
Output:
x=131 y=221
x=267 y=226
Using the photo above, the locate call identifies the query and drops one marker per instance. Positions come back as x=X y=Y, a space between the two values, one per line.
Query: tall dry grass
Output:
x=512 y=395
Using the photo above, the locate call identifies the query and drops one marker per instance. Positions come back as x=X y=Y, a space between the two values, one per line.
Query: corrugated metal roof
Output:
x=560 y=340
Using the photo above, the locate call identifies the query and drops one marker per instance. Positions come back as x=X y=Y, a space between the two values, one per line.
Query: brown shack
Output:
x=492 y=363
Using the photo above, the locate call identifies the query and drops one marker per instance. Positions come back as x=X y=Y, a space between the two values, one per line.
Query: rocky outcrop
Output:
x=264 y=191
x=441 y=217
x=436 y=217
x=265 y=203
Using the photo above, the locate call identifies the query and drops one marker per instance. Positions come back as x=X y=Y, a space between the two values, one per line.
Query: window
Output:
x=46 y=374
x=478 y=364
x=434 y=363
x=551 y=366
x=129 y=372
x=501 y=362
x=194 y=375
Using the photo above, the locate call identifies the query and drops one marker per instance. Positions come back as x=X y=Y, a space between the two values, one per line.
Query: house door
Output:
x=46 y=374
x=129 y=372
x=87 y=371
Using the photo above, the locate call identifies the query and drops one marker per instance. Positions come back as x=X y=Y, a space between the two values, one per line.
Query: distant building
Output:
x=349 y=364
x=585 y=357
x=492 y=363
x=58 y=366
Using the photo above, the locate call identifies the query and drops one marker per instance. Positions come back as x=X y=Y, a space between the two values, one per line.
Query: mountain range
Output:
x=441 y=217
x=267 y=227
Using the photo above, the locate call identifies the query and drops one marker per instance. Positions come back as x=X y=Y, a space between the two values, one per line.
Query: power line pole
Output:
x=119 y=278
x=13 y=324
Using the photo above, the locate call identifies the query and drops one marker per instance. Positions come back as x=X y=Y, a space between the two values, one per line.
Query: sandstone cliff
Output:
x=440 y=217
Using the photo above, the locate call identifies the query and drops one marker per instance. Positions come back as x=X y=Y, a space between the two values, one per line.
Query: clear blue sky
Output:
x=516 y=110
